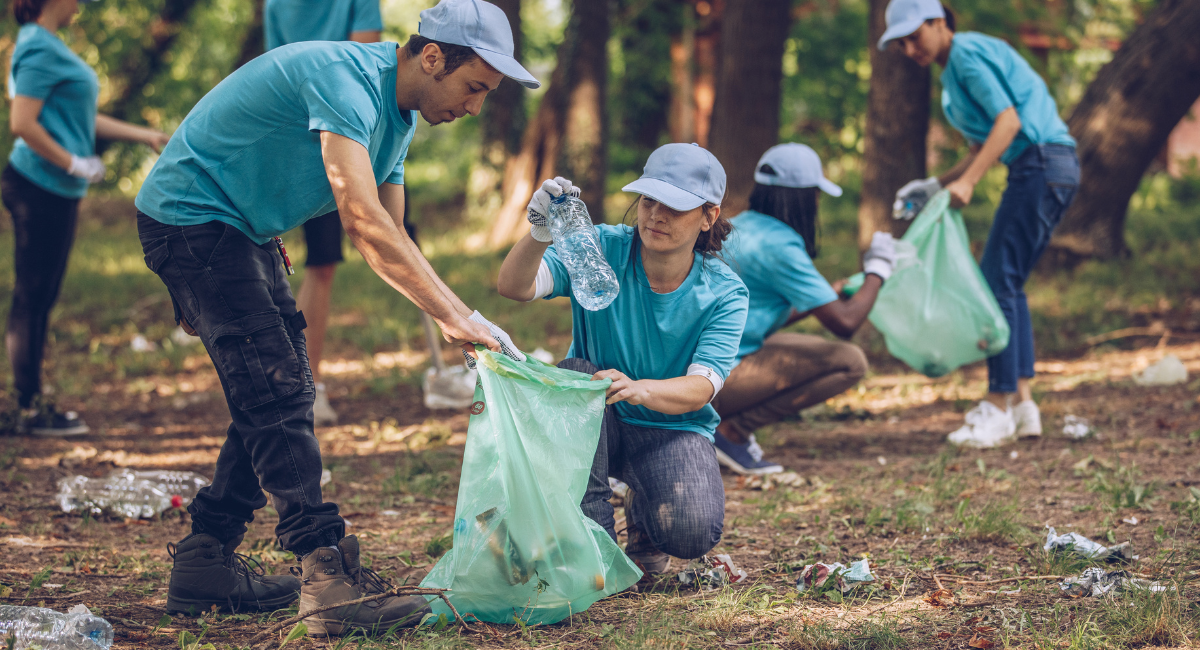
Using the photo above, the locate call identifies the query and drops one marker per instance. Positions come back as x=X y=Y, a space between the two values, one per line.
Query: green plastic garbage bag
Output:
x=522 y=547
x=936 y=312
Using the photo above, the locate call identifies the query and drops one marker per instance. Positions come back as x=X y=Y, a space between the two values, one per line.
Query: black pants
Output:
x=236 y=295
x=43 y=231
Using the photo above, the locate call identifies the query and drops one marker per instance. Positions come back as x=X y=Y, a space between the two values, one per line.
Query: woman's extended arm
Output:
x=520 y=268
x=674 y=396
x=110 y=128
x=1004 y=131
x=23 y=121
x=844 y=317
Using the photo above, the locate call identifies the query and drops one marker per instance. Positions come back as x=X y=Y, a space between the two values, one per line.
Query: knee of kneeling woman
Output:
x=579 y=365
x=690 y=536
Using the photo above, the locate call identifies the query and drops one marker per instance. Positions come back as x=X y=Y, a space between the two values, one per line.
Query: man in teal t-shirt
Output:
x=297 y=21
x=294 y=134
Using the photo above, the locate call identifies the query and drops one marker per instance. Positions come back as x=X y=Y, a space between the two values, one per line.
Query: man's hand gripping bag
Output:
x=522 y=547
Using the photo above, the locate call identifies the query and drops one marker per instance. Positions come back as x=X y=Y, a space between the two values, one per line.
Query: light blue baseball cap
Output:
x=681 y=176
x=793 y=165
x=481 y=26
x=905 y=17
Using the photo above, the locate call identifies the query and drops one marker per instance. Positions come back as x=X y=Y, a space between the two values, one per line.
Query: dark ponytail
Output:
x=950 y=21
x=27 y=11
x=795 y=206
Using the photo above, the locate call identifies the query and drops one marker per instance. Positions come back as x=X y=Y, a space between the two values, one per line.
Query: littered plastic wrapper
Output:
x=522 y=547
x=1097 y=582
x=1086 y=547
x=712 y=571
x=815 y=575
x=936 y=312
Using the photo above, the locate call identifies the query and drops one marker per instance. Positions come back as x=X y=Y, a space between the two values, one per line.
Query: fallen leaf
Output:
x=980 y=642
x=940 y=598
x=944 y=635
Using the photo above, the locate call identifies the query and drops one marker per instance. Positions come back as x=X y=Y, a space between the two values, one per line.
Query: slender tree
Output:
x=897 y=125
x=142 y=64
x=745 y=120
x=255 y=42
x=503 y=116
x=1123 y=122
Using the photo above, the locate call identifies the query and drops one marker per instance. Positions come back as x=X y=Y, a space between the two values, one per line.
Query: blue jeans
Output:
x=1041 y=185
x=678 y=496
x=236 y=295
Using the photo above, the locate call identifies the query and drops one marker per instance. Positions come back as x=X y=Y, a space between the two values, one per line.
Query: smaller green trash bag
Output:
x=936 y=310
x=522 y=547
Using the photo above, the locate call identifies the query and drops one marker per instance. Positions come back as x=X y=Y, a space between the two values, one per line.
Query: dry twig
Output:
x=961 y=581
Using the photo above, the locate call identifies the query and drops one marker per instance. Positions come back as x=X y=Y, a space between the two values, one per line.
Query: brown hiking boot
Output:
x=335 y=576
x=204 y=575
x=644 y=554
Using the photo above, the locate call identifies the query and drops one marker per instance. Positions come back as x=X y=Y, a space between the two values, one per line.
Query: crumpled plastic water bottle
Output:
x=592 y=280
x=78 y=629
x=129 y=493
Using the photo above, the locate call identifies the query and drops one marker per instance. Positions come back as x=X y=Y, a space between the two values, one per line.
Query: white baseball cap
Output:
x=481 y=26
x=905 y=17
x=793 y=165
x=682 y=177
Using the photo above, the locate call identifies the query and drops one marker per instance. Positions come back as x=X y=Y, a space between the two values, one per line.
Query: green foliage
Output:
x=438 y=546
x=991 y=521
x=1122 y=488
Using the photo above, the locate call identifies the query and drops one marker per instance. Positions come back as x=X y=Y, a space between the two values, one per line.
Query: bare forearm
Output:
x=844 y=317
x=1004 y=131
x=520 y=267
x=957 y=170
x=43 y=144
x=392 y=198
x=678 y=395
x=110 y=128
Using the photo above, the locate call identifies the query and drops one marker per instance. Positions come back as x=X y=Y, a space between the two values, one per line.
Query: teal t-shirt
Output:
x=983 y=77
x=649 y=335
x=44 y=68
x=772 y=261
x=249 y=153
x=295 y=21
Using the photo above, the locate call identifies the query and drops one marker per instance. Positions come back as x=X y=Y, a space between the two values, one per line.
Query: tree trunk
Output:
x=144 y=63
x=503 y=116
x=745 y=120
x=896 y=129
x=1123 y=121
x=255 y=42
x=585 y=135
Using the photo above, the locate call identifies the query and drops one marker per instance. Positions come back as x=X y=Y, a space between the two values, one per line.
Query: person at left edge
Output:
x=297 y=21
x=54 y=120
x=290 y=136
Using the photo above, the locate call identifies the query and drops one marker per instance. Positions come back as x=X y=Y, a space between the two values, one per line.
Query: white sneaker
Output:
x=1028 y=419
x=987 y=426
x=323 y=413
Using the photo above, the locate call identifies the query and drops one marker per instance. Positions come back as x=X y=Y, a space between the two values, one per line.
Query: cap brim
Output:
x=899 y=31
x=665 y=193
x=829 y=187
x=509 y=67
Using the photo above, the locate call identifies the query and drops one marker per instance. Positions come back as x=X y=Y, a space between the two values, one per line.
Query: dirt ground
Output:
x=876 y=480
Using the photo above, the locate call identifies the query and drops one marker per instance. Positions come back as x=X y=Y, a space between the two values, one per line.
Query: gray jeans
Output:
x=678 y=498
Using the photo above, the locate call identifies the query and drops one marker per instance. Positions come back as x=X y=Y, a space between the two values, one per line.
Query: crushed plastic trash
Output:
x=1086 y=547
x=1097 y=582
x=1013 y=455
x=1076 y=427
x=38 y=627
x=129 y=493
x=390 y=513
x=543 y=355
x=881 y=460
x=846 y=578
x=711 y=572
x=619 y=488
x=1167 y=371
x=326 y=477
x=770 y=481
x=449 y=388
x=1132 y=521
x=142 y=344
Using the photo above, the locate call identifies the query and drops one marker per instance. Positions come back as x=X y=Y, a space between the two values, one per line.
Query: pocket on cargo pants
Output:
x=258 y=360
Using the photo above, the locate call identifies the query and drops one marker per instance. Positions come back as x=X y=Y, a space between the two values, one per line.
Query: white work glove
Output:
x=880 y=257
x=90 y=168
x=916 y=192
x=507 y=347
x=539 y=206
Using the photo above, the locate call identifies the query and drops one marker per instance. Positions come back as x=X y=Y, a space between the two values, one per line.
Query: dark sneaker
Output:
x=205 y=575
x=740 y=458
x=49 y=422
x=644 y=553
x=334 y=576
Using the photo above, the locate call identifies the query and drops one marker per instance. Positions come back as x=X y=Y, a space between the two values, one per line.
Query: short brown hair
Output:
x=456 y=55
x=27 y=11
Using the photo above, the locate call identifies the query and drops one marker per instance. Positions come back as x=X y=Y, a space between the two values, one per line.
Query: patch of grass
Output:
x=1140 y=617
x=1122 y=488
x=1189 y=507
x=991 y=522
x=868 y=635
x=438 y=546
x=425 y=474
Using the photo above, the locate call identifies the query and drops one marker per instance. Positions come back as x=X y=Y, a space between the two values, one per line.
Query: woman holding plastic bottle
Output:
x=54 y=119
x=1003 y=108
x=667 y=342
x=778 y=374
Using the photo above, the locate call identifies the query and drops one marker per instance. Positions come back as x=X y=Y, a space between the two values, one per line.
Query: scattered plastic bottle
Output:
x=129 y=493
x=911 y=206
x=592 y=280
x=47 y=629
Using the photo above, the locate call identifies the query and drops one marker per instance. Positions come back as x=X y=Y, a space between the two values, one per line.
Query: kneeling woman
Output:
x=667 y=342
x=780 y=373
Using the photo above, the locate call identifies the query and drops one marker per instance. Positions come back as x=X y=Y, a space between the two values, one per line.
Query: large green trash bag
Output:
x=522 y=547
x=936 y=312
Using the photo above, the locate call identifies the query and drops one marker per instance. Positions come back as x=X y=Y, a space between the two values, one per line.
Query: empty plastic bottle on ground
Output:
x=592 y=279
x=78 y=629
x=129 y=493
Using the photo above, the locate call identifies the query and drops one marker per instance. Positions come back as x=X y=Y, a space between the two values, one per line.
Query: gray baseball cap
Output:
x=681 y=176
x=793 y=165
x=905 y=17
x=481 y=26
